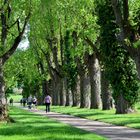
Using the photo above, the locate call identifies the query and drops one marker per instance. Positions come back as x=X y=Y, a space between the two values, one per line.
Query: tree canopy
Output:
x=71 y=44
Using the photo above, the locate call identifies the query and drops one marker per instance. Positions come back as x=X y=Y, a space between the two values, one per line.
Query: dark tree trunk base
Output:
x=3 y=113
x=122 y=106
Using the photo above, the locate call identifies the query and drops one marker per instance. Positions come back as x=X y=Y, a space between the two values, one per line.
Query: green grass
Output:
x=29 y=126
x=109 y=116
x=16 y=97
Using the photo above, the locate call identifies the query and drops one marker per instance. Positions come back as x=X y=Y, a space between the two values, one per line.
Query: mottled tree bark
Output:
x=122 y=106
x=84 y=88
x=136 y=57
x=122 y=20
x=94 y=71
x=107 y=100
x=82 y=97
x=67 y=93
x=3 y=105
x=76 y=93
x=126 y=31
x=62 y=103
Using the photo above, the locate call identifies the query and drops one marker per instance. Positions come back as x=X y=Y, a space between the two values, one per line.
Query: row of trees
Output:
x=81 y=52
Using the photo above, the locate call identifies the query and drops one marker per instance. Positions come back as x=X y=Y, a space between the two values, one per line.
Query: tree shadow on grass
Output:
x=124 y=121
x=44 y=131
x=89 y=114
x=30 y=119
x=30 y=114
x=40 y=127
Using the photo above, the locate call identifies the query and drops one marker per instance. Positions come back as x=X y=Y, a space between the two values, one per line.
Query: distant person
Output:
x=30 y=102
x=21 y=101
x=24 y=100
x=35 y=102
x=11 y=101
x=47 y=102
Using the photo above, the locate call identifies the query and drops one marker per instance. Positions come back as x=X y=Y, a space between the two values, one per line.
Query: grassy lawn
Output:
x=29 y=126
x=16 y=97
x=130 y=120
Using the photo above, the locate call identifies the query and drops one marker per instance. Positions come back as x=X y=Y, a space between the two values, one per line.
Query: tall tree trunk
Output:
x=55 y=96
x=137 y=61
x=67 y=93
x=53 y=93
x=41 y=70
x=84 y=90
x=77 y=97
x=76 y=88
x=3 y=105
x=38 y=94
x=57 y=89
x=87 y=91
x=76 y=93
x=82 y=99
x=61 y=92
x=107 y=100
x=127 y=31
x=44 y=91
x=94 y=72
x=57 y=92
x=64 y=92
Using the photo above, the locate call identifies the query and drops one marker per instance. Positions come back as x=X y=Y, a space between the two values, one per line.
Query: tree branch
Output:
x=17 y=40
x=94 y=46
x=9 y=27
x=119 y=18
x=125 y=11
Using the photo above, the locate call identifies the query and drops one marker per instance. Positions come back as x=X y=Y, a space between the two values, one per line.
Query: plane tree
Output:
x=14 y=19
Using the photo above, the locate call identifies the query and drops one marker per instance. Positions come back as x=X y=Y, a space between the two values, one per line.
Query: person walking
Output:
x=35 y=102
x=24 y=100
x=11 y=101
x=47 y=102
x=30 y=102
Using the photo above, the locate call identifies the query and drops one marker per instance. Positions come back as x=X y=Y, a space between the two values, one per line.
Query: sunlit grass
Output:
x=29 y=126
x=16 y=97
x=109 y=116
